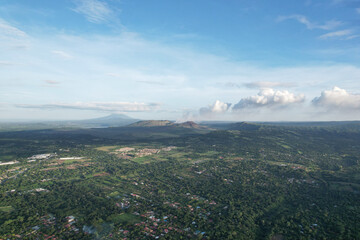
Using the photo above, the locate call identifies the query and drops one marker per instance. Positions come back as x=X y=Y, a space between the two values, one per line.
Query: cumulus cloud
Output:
x=336 y=34
x=217 y=108
x=338 y=99
x=266 y=84
x=94 y=11
x=311 y=25
x=188 y=115
x=98 y=106
x=269 y=98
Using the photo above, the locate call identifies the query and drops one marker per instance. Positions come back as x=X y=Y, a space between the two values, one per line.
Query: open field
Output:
x=6 y=209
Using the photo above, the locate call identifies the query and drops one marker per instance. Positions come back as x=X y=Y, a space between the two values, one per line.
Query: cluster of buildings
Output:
x=8 y=163
x=49 y=221
x=42 y=156
x=130 y=152
x=71 y=158
x=125 y=149
x=147 y=152
x=168 y=149
x=12 y=173
x=36 y=190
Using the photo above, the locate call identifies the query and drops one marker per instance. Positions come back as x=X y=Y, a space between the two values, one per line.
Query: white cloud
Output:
x=143 y=70
x=338 y=99
x=352 y=37
x=10 y=31
x=62 y=54
x=269 y=98
x=217 y=108
x=336 y=34
x=311 y=25
x=12 y=37
x=264 y=84
x=98 y=106
x=95 y=11
x=358 y=10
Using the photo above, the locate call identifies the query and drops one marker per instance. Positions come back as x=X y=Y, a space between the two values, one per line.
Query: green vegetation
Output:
x=107 y=148
x=6 y=209
x=124 y=218
x=251 y=182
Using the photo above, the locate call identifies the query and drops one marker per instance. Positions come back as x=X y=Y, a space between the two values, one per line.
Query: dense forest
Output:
x=229 y=181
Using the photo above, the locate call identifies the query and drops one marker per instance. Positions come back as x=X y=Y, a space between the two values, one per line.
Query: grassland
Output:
x=6 y=209
x=125 y=218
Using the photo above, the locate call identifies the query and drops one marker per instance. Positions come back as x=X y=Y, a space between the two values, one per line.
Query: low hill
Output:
x=152 y=123
x=244 y=126
x=141 y=130
x=113 y=120
x=348 y=126
x=167 y=123
x=190 y=124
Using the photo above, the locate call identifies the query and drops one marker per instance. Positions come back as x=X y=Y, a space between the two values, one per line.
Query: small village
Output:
x=131 y=152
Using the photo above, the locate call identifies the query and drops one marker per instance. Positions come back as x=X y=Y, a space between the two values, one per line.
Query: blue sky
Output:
x=180 y=60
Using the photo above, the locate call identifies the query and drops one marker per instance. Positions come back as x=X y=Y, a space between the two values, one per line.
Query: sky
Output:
x=234 y=60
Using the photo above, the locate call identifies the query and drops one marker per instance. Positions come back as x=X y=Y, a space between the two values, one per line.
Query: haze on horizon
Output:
x=180 y=60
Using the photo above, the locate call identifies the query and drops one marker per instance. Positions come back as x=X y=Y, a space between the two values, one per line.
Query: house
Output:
x=36 y=228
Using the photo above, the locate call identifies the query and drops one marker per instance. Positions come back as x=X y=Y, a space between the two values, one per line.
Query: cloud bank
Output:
x=98 y=106
x=338 y=99
x=269 y=98
x=217 y=108
x=265 y=84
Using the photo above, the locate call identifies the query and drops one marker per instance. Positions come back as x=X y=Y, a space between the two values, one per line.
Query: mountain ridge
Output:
x=166 y=123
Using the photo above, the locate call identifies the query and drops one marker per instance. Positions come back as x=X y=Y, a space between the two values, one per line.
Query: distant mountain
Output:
x=314 y=124
x=219 y=125
x=167 y=123
x=244 y=126
x=190 y=124
x=150 y=129
x=348 y=126
x=113 y=120
x=112 y=117
x=152 y=123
